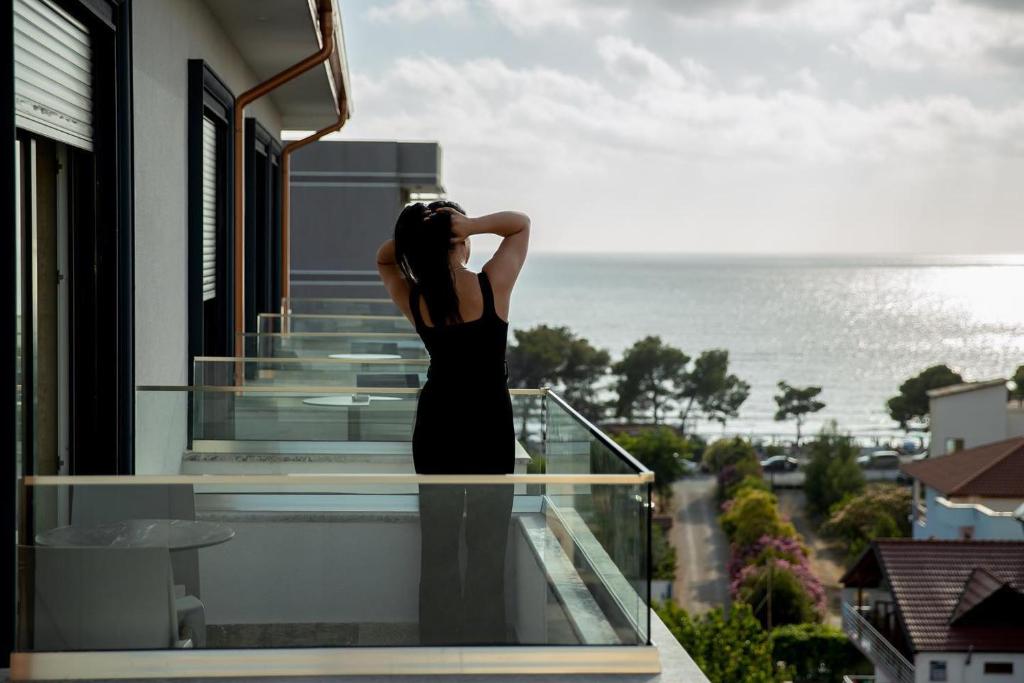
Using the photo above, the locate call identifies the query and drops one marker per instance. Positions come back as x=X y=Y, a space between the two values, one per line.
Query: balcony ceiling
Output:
x=271 y=35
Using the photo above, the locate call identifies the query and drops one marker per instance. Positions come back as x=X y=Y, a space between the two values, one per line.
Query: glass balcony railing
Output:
x=353 y=306
x=352 y=371
x=318 y=323
x=357 y=344
x=145 y=563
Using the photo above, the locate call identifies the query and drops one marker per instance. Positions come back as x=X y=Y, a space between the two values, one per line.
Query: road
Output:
x=702 y=550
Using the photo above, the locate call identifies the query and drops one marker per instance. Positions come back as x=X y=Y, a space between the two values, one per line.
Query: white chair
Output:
x=102 y=599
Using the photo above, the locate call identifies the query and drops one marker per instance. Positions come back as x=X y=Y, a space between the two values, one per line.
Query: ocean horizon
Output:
x=856 y=325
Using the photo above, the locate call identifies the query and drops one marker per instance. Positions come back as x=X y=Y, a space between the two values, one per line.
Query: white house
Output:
x=972 y=414
x=972 y=493
x=925 y=611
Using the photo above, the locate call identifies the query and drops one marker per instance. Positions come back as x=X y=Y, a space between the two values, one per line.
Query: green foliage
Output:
x=831 y=473
x=1018 y=380
x=729 y=648
x=880 y=511
x=650 y=376
x=664 y=555
x=752 y=514
x=544 y=355
x=911 y=405
x=816 y=653
x=661 y=450
x=746 y=482
x=797 y=403
x=790 y=602
x=727 y=452
x=718 y=394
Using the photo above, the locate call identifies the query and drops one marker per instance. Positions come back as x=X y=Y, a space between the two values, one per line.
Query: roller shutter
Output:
x=52 y=73
x=209 y=208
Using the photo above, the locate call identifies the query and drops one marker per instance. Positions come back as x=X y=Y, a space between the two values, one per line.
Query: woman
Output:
x=464 y=414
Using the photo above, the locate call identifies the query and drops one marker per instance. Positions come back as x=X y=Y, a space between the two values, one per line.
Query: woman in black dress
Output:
x=464 y=415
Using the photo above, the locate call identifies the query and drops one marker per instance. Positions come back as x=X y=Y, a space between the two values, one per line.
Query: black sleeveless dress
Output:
x=464 y=416
x=464 y=426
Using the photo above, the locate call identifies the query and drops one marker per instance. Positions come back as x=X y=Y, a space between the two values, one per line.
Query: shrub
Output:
x=727 y=452
x=796 y=595
x=664 y=555
x=880 y=511
x=660 y=449
x=764 y=549
x=727 y=647
x=752 y=514
x=816 y=653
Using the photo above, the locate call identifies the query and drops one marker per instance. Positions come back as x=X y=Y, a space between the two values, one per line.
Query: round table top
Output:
x=173 y=534
x=365 y=356
x=341 y=400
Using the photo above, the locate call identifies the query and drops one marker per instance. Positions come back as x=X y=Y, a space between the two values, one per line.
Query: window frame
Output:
x=209 y=96
x=262 y=222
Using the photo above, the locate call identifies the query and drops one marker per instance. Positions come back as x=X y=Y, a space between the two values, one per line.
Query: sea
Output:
x=855 y=326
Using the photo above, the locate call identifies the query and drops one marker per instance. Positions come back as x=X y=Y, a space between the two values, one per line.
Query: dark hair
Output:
x=423 y=243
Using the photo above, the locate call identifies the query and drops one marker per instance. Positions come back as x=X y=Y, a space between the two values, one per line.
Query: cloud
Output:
x=947 y=35
x=416 y=10
x=632 y=63
x=524 y=16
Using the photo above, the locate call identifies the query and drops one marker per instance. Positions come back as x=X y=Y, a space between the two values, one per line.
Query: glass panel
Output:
x=328 y=561
x=327 y=344
x=274 y=322
x=366 y=306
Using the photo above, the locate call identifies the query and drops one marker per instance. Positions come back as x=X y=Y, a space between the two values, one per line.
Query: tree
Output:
x=727 y=648
x=911 y=405
x=727 y=452
x=664 y=555
x=798 y=403
x=660 y=449
x=583 y=368
x=832 y=472
x=650 y=375
x=880 y=511
x=1018 y=385
x=544 y=355
x=718 y=394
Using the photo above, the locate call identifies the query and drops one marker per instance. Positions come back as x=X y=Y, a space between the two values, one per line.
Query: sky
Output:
x=711 y=126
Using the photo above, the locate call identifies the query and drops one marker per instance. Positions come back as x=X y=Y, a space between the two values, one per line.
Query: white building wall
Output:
x=166 y=34
x=988 y=520
x=978 y=417
x=958 y=670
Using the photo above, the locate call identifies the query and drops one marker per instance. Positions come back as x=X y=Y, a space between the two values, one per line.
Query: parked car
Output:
x=880 y=460
x=780 y=463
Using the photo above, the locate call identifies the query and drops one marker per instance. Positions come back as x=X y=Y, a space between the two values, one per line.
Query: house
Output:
x=972 y=493
x=971 y=414
x=924 y=611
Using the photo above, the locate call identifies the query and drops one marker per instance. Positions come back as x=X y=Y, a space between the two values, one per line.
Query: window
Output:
x=210 y=210
x=999 y=668
x=937 y=671
x=262 y=223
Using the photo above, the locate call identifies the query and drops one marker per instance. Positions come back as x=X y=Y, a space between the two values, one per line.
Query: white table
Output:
x=346 y=400
x=365 y=356
x=173 y=534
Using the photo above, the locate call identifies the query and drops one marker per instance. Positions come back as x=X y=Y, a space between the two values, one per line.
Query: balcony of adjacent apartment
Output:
x=274 y=526
x=874 y=630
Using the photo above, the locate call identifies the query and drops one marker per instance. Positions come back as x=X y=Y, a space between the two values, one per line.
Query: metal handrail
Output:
x=312 y=361
x=340 y=316
x=347 y=478
x=354 y=333
x=305 y=389
x=603 y=438
x=875 y=646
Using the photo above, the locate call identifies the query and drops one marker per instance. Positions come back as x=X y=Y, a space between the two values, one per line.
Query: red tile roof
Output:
x=995 y=470
x=929 y=578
